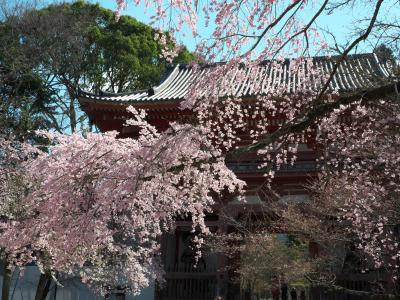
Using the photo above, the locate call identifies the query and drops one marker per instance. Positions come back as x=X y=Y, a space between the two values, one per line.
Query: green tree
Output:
x=24 y=100
x=81 y=44
x=125 y=54
x=384 y=53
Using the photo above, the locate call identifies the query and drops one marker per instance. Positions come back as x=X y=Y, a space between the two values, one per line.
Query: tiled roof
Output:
x=357 y=73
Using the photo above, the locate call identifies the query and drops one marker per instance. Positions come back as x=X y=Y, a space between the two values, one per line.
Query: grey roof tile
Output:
x=357 y=72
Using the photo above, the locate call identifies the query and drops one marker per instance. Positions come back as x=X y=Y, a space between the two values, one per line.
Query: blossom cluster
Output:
x=102 y=203
x=361 y=150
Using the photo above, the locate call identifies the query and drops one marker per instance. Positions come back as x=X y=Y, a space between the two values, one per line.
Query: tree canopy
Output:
x=71 y=45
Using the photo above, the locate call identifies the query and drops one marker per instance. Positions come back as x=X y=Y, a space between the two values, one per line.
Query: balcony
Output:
x=253 y=167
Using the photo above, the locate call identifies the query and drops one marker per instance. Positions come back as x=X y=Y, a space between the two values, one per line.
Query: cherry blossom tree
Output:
x=14 y=186
x=353 y=211
x=358 y=154
x=101 y=203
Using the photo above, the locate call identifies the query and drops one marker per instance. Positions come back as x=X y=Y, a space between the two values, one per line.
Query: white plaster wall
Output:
x=24 y=288
x=296 y=198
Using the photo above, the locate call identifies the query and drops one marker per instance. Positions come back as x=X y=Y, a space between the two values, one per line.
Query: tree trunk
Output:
x=5 y=293
x=55 y=288
x=43 y=287
x=72 y=113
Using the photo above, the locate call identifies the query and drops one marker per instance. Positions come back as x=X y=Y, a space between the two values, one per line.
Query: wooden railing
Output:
x=299 y=166
x=189 y=287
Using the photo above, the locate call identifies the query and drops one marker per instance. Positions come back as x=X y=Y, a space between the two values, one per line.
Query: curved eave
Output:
x=358 y=74
x=107 y=105
x=391 y=87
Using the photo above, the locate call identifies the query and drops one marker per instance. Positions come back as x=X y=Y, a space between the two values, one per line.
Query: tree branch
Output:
x=349 y=48
x=314 y=113
x=277 y=20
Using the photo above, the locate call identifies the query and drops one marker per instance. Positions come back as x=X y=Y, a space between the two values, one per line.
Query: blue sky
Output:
x=342 y=23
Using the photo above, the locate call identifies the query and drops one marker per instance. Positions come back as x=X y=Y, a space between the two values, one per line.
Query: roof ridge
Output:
x=319 y=57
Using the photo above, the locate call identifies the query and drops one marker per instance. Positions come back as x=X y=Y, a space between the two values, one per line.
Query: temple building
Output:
x=359 y=74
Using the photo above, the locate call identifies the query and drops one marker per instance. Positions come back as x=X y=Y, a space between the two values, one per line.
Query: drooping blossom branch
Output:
x=102 y=203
